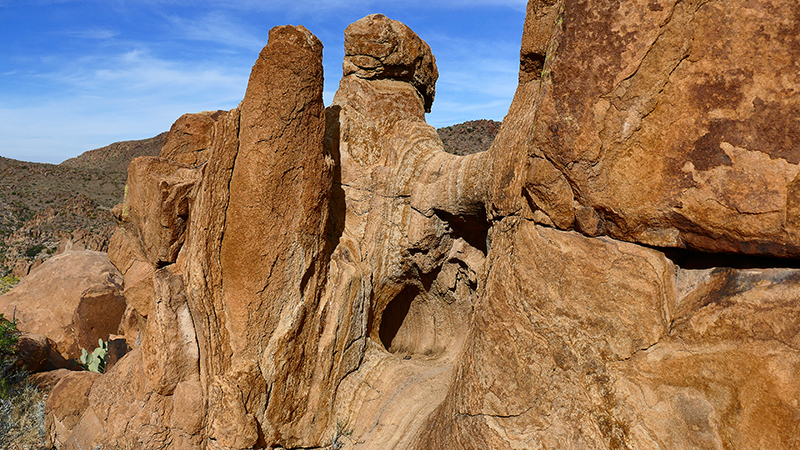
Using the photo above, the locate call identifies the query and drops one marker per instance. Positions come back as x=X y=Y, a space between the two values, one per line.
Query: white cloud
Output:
x=218 y=28
x=93 y=33
x=99 y=100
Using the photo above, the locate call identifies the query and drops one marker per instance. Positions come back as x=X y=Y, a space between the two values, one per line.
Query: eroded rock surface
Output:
x=73 y=299
x=673 y=123
x=302 y=277
x=594 y=343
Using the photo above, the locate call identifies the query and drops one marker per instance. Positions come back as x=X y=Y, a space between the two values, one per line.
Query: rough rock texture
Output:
x=222 y=263
x=33 y=351
x=595 y=343
x=672 y=123
x=297 y=277
x=377 y=47
x=74 y=299
x=189 y=140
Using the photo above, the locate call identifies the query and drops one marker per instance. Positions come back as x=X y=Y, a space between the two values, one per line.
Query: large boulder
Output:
x=73 y=299
x=663 y=122
x=377 y=47
x=593 y=343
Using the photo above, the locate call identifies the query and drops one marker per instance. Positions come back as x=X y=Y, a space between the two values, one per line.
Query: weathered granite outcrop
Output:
x=302 y=277
x=667 y=123
x=73 y=299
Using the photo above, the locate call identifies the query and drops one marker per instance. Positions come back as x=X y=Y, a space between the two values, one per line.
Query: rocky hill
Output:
x=116 y=157
x=469 y=137
x=44 y=205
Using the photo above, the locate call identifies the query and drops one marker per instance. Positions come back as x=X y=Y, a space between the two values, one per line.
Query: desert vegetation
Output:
x=21 y=403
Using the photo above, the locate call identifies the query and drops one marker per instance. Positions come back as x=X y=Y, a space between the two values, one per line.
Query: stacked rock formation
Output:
x=302 y=277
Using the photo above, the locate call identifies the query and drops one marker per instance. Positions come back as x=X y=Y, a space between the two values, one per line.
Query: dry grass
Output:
x=22 y=419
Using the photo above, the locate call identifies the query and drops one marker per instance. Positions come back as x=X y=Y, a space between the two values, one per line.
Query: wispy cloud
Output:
x=137 y=71
x=98 y=100
x=93 y=33
x=85 y=73
x=218 y=28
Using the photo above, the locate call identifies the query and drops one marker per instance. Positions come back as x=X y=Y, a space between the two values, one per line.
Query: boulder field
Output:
x=618 y=271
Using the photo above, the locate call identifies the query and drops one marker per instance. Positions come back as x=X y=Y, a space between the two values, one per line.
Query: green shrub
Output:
x=6 y=283
x=10 y=373
x=34 y=250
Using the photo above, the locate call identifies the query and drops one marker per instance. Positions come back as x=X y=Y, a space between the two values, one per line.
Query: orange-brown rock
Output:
x=673 y=123
x=33 y=351
x=46 y=381
x=593 y=343
x=327 y=278
x=157 y=202
x=74 y=299
x=190 y=138
x=222 y=262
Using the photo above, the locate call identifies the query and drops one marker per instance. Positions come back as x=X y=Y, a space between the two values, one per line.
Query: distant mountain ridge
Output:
x=117 y=156
x=44 y=206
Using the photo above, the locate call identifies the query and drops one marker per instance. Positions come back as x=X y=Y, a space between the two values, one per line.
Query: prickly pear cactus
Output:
x=95 y=361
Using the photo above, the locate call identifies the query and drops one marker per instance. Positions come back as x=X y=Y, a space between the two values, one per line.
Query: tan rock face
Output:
x=674 y=123
x=298 y=277
x=594 y=343
x=74 y=299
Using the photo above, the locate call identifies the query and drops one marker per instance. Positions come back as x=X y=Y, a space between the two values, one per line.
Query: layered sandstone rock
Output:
x=298 y=277
x=583 y=342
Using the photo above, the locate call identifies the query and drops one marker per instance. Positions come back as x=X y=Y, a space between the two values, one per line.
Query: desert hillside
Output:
x=469 y=137
x=42 y=205
x=115 y=157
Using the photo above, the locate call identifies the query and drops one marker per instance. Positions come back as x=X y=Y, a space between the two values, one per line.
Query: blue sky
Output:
x=78 y=75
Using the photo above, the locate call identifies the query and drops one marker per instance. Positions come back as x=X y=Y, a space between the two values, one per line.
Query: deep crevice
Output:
x=695 y=259
x=394 y=314
x=473 y=229
x=337 y=207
